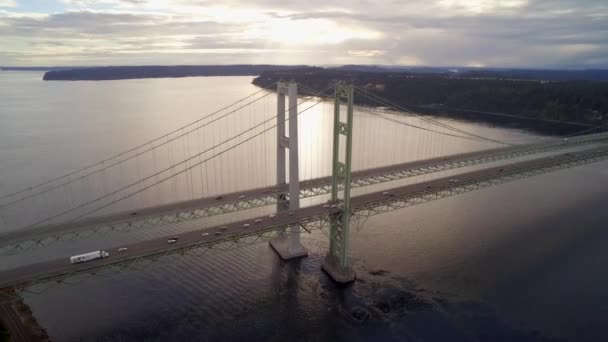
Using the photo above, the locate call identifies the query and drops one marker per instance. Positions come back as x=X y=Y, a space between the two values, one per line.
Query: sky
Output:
x=476 y=33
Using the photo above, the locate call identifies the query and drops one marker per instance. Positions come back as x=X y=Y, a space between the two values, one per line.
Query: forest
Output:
x=579 y=101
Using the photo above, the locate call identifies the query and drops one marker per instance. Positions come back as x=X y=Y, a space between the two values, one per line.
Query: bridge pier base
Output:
x=285 y=247
x=338 y=273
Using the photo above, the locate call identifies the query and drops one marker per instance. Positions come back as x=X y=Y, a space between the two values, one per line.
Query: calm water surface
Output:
x=522 y=261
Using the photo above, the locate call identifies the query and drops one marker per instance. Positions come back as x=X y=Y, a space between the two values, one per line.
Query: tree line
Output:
x=568 y=101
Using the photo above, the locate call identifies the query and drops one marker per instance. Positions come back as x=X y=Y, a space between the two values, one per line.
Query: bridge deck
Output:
x=264 y=196
x=27 y=275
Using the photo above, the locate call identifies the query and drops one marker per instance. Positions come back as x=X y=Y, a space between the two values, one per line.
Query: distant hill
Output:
x=547 y=75
x=37 y=68
x=130 y=72
x=135 y=72
x=468 y=72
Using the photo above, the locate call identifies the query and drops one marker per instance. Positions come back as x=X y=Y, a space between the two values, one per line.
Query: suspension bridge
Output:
x=271 y=166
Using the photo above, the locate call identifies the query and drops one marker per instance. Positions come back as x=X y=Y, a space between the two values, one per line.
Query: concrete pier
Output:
x=339 y=274
x=284 y=247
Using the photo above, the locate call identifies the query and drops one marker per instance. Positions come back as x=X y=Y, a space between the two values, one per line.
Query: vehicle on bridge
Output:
x=76 y=259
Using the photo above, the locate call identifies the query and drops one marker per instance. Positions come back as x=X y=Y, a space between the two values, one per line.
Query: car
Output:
x=205 y=234
x=325 y=205
x=219 y=198
x=501 y=170
x=272 y=216
x=257 y=220
x=133 y=214
x=246 y=225
x=223 y=227
x=334 y=206
x=122 y=249
x=291 y=213
x=172 y=240
x=453 y=180
x=386 y=193
x=242 y=197
x=218 y=233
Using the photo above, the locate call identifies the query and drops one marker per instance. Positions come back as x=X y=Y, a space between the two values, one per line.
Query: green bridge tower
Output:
x=336 y=263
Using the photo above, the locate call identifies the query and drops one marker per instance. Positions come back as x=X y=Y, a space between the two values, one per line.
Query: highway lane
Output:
x=25 y=275
x=160 y=245
x=262 y=196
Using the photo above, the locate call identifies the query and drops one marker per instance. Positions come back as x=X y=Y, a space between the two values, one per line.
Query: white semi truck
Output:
x=76 y=259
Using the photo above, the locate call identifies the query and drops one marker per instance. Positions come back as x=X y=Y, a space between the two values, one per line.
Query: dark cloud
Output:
x=87 y=23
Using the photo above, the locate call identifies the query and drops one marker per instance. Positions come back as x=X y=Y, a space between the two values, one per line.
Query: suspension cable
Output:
x=370 y=112
x=585 y=131
x=432 y=121
x=378 y=98
x=134 y=148
x=21 y=199
x=166 y=169
x=473 y=137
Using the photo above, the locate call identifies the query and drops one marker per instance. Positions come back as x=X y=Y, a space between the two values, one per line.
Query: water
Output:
x=520 y=261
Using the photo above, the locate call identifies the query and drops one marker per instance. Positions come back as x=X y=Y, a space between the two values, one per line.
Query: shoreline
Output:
x=113 y=73
x=19 y=320
x=387 y=87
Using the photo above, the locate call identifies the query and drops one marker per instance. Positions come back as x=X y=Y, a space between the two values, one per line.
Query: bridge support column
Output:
x=288 y=244
x=336 y=263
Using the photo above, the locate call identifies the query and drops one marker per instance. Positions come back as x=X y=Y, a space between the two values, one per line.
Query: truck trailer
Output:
x=76 y=259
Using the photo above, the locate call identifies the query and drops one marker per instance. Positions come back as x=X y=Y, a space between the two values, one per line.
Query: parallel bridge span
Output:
x=308 y=218
x=16 y=241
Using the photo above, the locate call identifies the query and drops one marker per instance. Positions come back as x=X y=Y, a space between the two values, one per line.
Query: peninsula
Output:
x=495 y=97
x=136 y=72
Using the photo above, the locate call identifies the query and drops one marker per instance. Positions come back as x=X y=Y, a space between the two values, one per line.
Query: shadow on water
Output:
x=302 y=304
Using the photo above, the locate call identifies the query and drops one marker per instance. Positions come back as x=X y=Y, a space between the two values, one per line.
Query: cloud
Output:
x=104 y=2
x=511 y=33
x=8 y=3
x=482 y=6
x=90 y=24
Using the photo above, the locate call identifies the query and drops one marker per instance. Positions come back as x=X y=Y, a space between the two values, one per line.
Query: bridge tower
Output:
x=336 y=262
x=288 y=244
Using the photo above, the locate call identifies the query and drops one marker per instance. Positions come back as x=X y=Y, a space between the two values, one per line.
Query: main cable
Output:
x=129 y=158
x=134 y=148
x=418 y=116
x=377 y=98
x=370 y=112
x=169 y=168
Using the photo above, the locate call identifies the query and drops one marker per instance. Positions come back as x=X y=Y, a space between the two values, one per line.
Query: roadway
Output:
x=263 y=196
x=54 y=269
